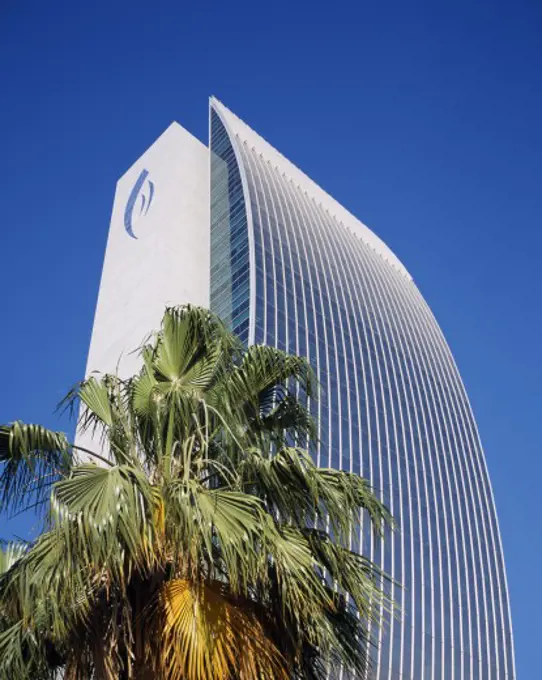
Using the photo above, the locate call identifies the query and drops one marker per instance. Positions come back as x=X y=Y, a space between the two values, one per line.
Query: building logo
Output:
x=142 y=192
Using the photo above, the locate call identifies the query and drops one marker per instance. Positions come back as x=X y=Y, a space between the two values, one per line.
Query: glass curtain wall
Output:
x=392 y=406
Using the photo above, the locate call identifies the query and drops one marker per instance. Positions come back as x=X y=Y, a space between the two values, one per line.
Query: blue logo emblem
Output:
x=139 y=190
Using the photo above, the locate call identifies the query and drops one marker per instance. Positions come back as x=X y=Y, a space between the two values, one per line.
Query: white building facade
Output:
x=243 y=230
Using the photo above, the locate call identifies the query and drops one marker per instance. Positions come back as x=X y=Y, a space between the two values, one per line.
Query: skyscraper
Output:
x=290 y=267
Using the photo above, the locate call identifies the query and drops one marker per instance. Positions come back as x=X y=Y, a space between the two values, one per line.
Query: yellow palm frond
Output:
x=204 y=636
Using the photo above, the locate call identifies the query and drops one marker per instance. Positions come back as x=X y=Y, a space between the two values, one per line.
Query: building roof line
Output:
x=248 y=136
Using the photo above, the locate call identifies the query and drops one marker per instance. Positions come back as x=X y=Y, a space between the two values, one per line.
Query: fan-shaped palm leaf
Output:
x=32 y=458
x=205 y=636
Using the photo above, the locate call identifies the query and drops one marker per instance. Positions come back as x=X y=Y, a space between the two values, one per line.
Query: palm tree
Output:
x=198 y=541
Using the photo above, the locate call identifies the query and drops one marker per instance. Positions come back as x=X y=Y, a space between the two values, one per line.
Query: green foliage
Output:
x=31 y=459
x=199 y=540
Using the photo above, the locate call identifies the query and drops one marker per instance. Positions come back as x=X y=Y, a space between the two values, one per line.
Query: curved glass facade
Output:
x=303 y=275
x=229 y=234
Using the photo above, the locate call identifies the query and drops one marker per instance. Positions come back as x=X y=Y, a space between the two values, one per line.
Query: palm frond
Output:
x=264 y=367
x=290 y=416
x=207 y=637
x=111 y=511
x=296 y=488
x=22 y=655
x=106 y=412
x=190 y=345
x=95 y=395
x=303 y=592
x=203 y=521
x=32 y=458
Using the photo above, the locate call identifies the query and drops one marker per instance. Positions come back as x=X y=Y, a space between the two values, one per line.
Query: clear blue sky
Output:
x=425 y=119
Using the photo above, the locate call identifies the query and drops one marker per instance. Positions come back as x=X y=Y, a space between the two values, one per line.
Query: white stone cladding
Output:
x=166 y=259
